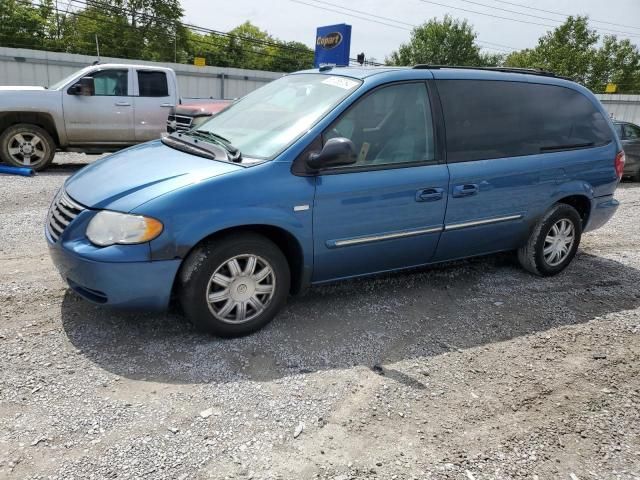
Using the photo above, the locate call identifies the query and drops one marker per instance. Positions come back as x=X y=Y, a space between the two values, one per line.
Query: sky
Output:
x=385 y=24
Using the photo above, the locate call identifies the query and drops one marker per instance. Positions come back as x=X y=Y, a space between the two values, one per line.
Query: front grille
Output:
x=61 y=213
x=179 y=123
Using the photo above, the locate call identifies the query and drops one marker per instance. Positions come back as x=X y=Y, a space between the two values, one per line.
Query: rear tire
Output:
x=234 y=286
x=553 y=242
x=27 y=145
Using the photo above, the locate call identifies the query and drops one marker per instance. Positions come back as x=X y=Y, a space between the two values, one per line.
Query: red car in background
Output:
x=194 y=113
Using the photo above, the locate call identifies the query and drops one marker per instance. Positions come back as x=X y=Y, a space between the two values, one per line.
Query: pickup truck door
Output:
x=155 y=96
x=103 y=118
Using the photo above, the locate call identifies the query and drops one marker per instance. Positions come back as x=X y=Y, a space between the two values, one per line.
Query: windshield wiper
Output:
x=233 y=153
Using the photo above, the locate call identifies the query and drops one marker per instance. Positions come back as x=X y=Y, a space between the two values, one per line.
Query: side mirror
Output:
x=84 y=87
x=336 y=152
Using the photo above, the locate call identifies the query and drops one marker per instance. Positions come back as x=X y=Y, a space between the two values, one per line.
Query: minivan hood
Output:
x=131 y=177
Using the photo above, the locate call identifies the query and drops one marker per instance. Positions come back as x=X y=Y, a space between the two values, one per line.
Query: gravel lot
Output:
x=473 y=370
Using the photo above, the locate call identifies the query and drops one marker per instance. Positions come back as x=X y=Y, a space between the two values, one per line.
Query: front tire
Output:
x=553 y=242
x=234 y=286
x=27 y=145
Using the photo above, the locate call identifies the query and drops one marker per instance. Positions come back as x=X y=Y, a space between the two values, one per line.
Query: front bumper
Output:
x=132 y=285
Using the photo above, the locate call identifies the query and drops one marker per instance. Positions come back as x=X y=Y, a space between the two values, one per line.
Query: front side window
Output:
x=266 y=121
x=631 y=132
x=152 y=84
x=391 y=125
x=111 y=83
x=487 y=119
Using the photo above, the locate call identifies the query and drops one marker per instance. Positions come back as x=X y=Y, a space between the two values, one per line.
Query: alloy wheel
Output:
x=241 y=289
x=558 y=242
x=27 y=148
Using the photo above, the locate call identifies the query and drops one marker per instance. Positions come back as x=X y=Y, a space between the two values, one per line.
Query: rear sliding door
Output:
x=510 y=146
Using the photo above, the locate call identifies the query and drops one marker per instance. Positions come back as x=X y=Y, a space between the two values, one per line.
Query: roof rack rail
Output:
x=528 y=71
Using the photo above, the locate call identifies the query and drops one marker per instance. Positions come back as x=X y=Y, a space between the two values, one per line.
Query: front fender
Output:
x=263 y=195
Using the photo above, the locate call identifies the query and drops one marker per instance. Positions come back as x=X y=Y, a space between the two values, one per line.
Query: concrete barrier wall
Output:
x=621 y=106
x=19 y=66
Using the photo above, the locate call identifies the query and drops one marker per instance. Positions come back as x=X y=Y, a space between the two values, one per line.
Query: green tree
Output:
x=446 y=42
x=27 y=26
x=145 y=30
x=574 y=50
x=568 y=50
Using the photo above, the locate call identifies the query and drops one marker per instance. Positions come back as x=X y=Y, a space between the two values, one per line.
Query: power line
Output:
x=203 y=41
x=538 y=17
x=351 y=15
x=562 y=14
x=387 y=19
x=92 y=3
x=503 y=18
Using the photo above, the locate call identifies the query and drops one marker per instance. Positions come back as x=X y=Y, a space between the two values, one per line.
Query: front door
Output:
x=104 y=118
x=153 y=103
x=386 y=211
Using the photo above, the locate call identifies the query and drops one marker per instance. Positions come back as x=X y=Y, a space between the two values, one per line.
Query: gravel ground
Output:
x=472 y=370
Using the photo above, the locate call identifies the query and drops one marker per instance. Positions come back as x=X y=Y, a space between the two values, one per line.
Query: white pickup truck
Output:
x=101 y=108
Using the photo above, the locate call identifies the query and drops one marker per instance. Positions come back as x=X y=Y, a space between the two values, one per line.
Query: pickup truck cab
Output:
x=336 y=173
x=101 y=108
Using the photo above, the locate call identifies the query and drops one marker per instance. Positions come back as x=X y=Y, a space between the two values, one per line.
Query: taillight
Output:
x=619 y=163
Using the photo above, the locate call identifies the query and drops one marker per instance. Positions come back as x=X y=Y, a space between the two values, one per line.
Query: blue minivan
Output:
x=336 y=173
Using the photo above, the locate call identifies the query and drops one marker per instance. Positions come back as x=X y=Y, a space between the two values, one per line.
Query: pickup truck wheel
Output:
x=553 y=242
x=25 y=145
x=234 y=286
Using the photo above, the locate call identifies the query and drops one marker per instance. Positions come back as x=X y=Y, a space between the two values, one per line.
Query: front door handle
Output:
x=429 y=194
x=465 y=190
x=123 y=104
x=168 y=105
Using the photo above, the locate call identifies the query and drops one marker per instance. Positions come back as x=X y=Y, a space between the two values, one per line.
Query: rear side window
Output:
x=618 y=128
x=152 y=84
x=494 y=119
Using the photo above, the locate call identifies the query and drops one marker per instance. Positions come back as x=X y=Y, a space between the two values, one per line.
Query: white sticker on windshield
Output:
x=341 y=82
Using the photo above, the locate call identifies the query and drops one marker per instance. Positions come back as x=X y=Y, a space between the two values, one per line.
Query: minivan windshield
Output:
x=266 y=121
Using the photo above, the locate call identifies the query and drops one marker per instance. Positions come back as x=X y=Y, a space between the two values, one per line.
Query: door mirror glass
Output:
x=84 y=87
x=336 y=152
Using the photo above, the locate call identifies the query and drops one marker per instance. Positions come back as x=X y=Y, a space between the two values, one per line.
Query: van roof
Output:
x=438 y=71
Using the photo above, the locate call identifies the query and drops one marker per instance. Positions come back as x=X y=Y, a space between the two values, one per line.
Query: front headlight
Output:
x=109 y=228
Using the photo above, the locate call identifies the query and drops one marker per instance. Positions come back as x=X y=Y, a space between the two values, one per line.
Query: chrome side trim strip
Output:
x=486 y=221
x=385 y=236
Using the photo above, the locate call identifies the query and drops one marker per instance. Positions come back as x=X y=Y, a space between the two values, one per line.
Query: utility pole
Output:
x=97 y=47
x=57 y=21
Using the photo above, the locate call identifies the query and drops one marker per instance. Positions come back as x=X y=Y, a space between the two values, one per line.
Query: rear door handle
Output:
x=429 y=194
x=167 y=105
x=123 y=104
x=465 y=190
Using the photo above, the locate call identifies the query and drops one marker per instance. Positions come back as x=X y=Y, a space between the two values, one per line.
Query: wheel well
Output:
x=283 y=240
x=43 y=120
x=581 y=204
